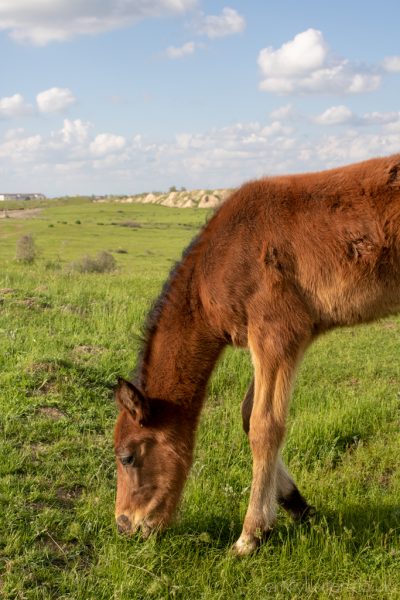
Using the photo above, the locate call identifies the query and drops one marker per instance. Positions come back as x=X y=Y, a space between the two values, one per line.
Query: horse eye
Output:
x=128 y=461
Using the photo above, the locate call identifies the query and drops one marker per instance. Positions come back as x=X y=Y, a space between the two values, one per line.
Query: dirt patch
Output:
x=37 y=449
x=5 y=291
x=46 y=387
x=33 y=303
x=39 y=506
x=42 y=367
x=353 y=382
x=59 y=551
x=386 y=478
x=20 y=213
x=389 y=325
x=88 y=350
x=67 y=496
x=51 y=412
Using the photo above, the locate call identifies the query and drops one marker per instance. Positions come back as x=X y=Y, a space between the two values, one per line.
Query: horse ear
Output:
x=129 y=397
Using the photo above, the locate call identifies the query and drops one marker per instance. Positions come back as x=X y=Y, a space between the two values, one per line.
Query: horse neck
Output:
x=178 y=359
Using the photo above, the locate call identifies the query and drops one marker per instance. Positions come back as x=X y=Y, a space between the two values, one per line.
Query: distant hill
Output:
x=178 y=199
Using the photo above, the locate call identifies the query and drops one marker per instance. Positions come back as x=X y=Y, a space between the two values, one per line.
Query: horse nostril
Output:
x=124 y=524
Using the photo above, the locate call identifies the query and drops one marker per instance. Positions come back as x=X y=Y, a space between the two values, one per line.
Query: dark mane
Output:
x=156 y=310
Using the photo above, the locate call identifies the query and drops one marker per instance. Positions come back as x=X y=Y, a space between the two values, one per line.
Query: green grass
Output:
x=64 y=339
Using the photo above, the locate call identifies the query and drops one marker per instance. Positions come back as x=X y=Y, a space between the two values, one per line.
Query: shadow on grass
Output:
x=364 y=519
x=357 y=525
x=215 y=530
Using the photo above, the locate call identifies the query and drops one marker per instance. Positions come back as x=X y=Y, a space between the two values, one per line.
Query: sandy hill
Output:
x=181 y=199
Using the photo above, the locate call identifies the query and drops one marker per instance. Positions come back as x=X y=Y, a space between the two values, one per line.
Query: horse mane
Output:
x=165 y=297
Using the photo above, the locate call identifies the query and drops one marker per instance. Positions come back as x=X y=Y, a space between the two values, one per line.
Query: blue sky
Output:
x=125 y=96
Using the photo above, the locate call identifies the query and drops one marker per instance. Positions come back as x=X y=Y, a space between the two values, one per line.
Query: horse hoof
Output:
x=124 y=525
x=245 y=546
x=306 y=515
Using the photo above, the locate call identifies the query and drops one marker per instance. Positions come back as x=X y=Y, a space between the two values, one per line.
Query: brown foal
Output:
x=283 y=260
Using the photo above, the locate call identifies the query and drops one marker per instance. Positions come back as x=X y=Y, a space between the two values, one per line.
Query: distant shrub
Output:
x=104 y=262
x=121 y=251
x=53 y=265
x=51 y=225
x=132 y=224
x=26 y=249
x=78 y=222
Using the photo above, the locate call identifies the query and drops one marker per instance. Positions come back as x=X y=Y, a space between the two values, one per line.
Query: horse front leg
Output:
x=288 y=494
x=274 y=373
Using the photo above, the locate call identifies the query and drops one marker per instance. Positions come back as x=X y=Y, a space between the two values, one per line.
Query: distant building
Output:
x=22 y=197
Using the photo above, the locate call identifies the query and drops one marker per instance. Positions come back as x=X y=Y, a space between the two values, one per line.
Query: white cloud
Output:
x=302 y=55
x=75 y=159
x=304 y=65
x=21 y=149
x=352 y=147
x=283 y=112
x=276 y=128
x=14 y=134
x=107 y=143
x=229 y=22
x=181 y=51
x=55 y=100
x=393 y=127
x=42 y=21
x=391 y=64
x=335 y=115
x=76 y=131
x=378 y=118
x=14 y=106
x=342 y=115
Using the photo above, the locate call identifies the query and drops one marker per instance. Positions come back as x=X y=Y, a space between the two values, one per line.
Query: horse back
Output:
x=328 y=242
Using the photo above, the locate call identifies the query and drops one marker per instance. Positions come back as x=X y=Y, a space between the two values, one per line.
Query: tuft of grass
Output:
x=104 y=262
x=26 y=249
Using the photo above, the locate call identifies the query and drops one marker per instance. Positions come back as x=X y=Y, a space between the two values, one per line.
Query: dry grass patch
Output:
x=51 y=412
x=103 y=262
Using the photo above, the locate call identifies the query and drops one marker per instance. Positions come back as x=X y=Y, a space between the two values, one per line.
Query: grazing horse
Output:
x=282 y=261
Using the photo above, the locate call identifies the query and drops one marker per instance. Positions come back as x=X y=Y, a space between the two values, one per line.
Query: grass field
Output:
x=64 y=339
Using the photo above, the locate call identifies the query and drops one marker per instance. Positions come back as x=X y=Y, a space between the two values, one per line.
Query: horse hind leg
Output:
x=288 y=494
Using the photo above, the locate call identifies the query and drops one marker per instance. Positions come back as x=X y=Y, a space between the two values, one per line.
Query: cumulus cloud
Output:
x=335 y=115
x=305 y=65
x=39 y=23
x=221 y=157
x=342 y=115
x=76 y=131
x=229 y=22
x=107 y=143
x=21 y=148
x=14 y=106
x=55 y=100
x=181 y=51
x=391 y=64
